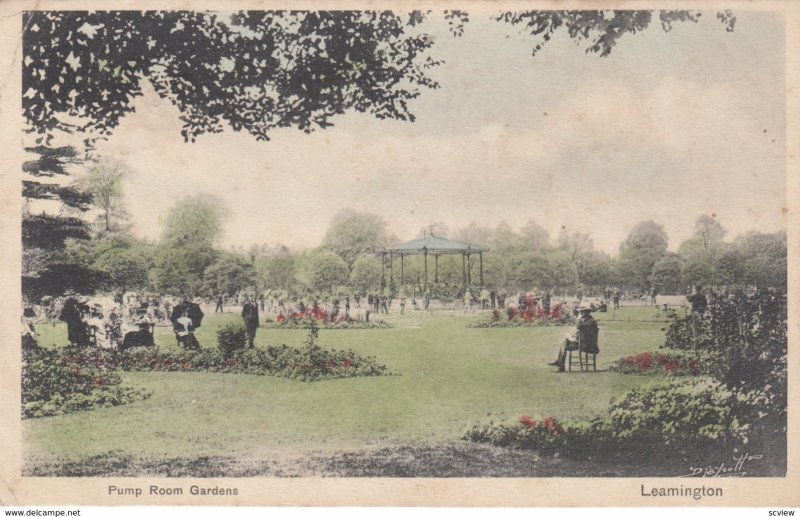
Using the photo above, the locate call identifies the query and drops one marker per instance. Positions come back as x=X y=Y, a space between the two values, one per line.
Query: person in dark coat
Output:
x=220 y=307
x=698 y=300
x=250 y=317
x=585 y=337
x=546 y=303
x=141 y=337
x=72 y=314
x=185 y=332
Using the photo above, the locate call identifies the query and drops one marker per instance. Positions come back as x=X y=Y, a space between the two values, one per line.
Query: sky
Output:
x=669 y=127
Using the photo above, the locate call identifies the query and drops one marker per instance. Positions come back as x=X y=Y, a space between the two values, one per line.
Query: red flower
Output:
x=527 y=421
x=348 y=363
x=549 y=423
x=281 y=318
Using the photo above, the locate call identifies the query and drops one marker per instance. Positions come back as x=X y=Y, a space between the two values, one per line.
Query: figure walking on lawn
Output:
x=584 y=337
x=250 y=317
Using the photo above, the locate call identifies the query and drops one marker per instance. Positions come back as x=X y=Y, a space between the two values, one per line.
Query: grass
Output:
x=444 y=377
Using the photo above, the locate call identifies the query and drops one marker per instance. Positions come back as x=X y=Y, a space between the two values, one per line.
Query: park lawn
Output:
x=444 y=377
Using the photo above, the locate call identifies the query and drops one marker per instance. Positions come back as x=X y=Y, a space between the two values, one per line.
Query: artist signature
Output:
x=737 y=467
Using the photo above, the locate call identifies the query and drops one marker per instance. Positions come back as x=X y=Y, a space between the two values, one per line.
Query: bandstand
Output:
x=431 y=245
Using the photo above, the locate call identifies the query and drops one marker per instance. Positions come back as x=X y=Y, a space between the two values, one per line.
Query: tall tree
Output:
x=328 y=270
x=666 y=274
x=45 y=229
x=765 y=261
x=194 y=221
x=353 y=233
x=707 y=236
x=104 y=181
x=645 y=245
x=277 y=270
x=535 y=235
x=229 y=274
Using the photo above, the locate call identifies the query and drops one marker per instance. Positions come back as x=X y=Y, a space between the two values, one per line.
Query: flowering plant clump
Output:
x=309 y=363
x=660 y=363
x=56 y=383
x=544 y=435
x=528 y=314
x=282 y=322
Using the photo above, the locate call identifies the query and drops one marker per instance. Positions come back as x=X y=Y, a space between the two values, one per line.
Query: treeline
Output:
x=186 y=259
x=66 y=251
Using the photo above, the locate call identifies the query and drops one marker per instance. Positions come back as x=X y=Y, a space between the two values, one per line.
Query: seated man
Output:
x=585 y=335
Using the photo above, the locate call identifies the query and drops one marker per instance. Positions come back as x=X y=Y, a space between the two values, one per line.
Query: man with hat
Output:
x=585 y=337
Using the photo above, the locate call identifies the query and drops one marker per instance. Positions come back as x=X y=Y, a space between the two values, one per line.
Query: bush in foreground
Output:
x=56 y=383
x=680 y=413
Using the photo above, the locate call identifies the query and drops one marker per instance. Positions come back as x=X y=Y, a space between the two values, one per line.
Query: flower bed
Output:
x=660 y=363
x=54 y=383
x=513 y=317
x=305 y=323
x=306 y=364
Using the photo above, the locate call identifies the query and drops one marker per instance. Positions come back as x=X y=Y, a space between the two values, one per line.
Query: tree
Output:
x=104 y=182
x=194 y=221
x=45 y=233
x=765 y=262
x=644 y=246
x=698 y=270
x=256 y=71
x=730 y=267
x=601 y=29
x=328 y=270
x=535 y=236
x=438 y=228
x=353 y=233
x=666 y=274
x=277 y=271
x=594 y=269
x=250 y=70
x=179 y=270
x=366 y=273
x=229 y=274
x=706 y=240
x=122 y=269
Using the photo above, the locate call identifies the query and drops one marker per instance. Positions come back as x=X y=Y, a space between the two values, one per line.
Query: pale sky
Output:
x=670 y=126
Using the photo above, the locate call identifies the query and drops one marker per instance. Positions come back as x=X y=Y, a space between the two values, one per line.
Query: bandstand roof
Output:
x=433 y=245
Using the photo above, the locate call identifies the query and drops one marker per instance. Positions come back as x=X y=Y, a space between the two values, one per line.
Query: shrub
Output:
x=688 y=413
x=230 y=338
x=744 y=338
x=55 y=383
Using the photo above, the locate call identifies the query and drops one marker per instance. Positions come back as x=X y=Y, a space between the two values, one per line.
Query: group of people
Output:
x=120 y=323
